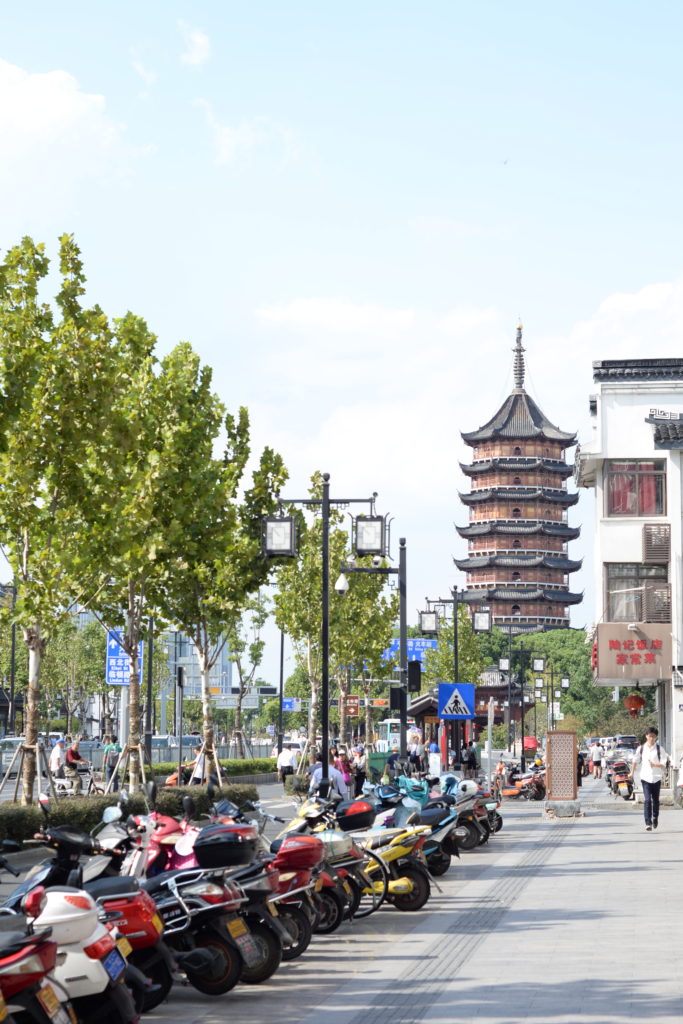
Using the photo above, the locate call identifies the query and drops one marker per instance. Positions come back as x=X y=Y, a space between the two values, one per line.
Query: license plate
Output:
x=123 y=945
x=48 y=999
x=237 y=927
x=114 y=964
x=251 y=954
x=346 y=887
x=273 y=909
x=3 y=1007
x=158 y=923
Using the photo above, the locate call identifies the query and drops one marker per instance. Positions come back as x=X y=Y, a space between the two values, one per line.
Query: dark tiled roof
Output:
x=520 y=561
x=520 y=528
x=519 y=417
x=668 y=433
x=516 y=465
x=638 y=369
x=517 y=594
x=519 y=494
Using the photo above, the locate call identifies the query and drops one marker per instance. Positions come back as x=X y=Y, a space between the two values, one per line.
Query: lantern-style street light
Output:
x=279 y=539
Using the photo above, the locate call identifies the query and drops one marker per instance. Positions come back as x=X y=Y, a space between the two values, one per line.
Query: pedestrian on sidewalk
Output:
x=597 y=753
x=286 y=762
x=652 y=760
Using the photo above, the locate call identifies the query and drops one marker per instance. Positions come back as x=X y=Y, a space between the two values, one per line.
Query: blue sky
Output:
x=345 y=208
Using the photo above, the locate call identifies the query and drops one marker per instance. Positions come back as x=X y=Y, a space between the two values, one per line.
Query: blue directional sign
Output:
x=456 y=700
x=291 y=703
x=416 y=647
x=118 y=664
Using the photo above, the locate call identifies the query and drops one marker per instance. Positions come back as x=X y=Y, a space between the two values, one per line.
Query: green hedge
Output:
x=297 y=785
x=19 y=823
x=234 y=766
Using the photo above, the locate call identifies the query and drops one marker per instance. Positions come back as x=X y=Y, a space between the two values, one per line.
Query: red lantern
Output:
x=634 y=703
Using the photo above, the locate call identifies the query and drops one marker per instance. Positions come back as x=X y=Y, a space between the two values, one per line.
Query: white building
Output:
x=634 y=464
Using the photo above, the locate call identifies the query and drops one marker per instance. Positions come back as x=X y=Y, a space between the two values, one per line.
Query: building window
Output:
x=517 y=480
x=515 y=609
x=516 y=513
x=636 y=488
x=516 y=543
x=516 y=576
x=625 y=586
x=518 y=450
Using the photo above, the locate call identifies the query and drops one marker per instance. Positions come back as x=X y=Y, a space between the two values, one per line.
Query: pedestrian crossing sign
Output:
x=456 y=700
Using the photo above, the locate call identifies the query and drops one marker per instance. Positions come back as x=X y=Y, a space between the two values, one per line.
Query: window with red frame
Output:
x=635 y=487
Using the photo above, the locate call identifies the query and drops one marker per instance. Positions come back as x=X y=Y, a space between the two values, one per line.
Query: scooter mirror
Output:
x=111 y=814
x=10 y=846
x=189 y=807
x=44 y=802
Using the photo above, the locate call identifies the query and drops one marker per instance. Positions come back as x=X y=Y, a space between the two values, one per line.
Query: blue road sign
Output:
x=118 y=665
x=291 y=703
x=456 y=701
x=416 y=646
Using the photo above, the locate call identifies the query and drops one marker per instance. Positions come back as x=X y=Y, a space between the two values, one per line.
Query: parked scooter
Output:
x=619 y=779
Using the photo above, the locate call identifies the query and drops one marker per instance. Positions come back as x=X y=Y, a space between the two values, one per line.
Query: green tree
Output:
x=439 y=664
x=246 y=647
x=61 y=369
x=73 y=669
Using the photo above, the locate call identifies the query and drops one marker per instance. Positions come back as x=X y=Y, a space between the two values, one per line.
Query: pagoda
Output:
x=518 y=532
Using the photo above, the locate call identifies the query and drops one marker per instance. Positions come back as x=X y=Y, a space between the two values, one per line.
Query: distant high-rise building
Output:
x=518 y=531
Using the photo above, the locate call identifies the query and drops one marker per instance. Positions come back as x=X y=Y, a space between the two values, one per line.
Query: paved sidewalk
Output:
x=543 y=926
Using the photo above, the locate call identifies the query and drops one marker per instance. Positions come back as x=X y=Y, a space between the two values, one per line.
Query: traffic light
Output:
x=414 y=676
x=394 y=698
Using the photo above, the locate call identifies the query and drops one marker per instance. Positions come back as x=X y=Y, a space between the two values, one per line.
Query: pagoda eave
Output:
x=510 y=594
x=520 y=529
x=521 y=561
x=519 y=494
x=516 y=465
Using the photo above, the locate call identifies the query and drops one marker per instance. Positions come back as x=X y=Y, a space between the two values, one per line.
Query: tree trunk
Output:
x=134 y=721
x=368 y=713
x=36 y=649
x=343 y=682
x=207 y=713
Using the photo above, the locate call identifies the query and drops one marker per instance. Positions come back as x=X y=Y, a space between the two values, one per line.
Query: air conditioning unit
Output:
x=656 y=543
x=657 y=602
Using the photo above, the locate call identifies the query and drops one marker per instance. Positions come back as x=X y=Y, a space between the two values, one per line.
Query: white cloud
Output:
x=148 y=77
x=198 y=45
x=54 y=137
x=235 y=143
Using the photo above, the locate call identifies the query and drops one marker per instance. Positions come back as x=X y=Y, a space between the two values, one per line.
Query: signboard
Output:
x=249 y=703
x=291 y=703
x=268 y=691
x=379 y=702
x=456 y=701
x=416 y=647
x=118 y=665
x=352 y=705
x=624 y=655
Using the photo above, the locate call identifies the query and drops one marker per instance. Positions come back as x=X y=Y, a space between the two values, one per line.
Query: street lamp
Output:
x=342 y=587
x=279 y=539
x=429 y=623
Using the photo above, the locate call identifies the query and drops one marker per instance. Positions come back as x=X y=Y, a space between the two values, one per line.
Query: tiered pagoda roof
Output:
x=520 y=444
x=518 y=493
x=516 y=464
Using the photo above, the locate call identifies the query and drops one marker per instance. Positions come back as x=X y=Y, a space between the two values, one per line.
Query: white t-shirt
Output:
x=286 y=758
x=198 y=770
x=596 y=753
x=645 y=755
x=57 y=757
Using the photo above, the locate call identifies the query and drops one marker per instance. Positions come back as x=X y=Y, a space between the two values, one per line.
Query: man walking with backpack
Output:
x=652 y=760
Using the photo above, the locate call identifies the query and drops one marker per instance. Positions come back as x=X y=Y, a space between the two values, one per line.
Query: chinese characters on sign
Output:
x=642 y=652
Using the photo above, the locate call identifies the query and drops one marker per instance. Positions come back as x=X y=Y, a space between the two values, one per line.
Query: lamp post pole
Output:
x=325 y=635
x=148 y=709
x=280 y=731
x=403 y=646
x=12 y=716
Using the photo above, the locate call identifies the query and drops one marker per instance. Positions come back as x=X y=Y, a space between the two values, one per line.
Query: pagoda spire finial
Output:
x=518 y=367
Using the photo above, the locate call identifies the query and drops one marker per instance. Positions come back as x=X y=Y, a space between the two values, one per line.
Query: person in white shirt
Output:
x=57 y=760
x=286 y=762
x=652 y=760
x=334 y=775
x=597 y=754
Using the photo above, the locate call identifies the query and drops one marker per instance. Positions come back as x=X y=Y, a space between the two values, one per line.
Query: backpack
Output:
x=112 y=757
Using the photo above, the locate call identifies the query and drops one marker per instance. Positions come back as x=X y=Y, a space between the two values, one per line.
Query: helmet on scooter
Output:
x=467 y=788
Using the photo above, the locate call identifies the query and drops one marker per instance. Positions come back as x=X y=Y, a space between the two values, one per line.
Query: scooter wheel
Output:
x=271 y=954
x=331 y=912
x=226 y=975
x=471 y=840
x=160 y=975
x=497 y=821
x=438 y=862
x=298 y=925
x=416 y=899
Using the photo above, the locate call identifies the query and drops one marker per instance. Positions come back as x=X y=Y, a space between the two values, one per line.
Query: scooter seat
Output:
x=433 y=816
x=157 y=882
x=374 y=840
x=445 y=800
x=118 y=886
